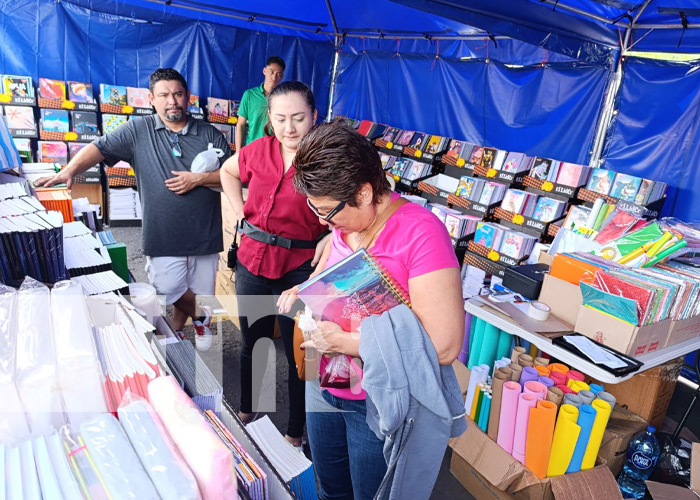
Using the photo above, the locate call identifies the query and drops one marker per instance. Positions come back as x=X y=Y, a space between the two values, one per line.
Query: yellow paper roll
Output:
x=603 y=410
x=533 y=351
x=577 y=385
x=565 y=436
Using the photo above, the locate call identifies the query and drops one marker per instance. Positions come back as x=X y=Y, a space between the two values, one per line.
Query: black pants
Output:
x=256 y=297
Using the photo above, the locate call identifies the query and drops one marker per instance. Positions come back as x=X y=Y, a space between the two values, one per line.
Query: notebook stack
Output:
x=124 y=204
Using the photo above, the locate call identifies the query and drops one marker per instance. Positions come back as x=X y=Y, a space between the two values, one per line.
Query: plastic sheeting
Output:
x=656 y=132
x=64 y=41
x=549 y=111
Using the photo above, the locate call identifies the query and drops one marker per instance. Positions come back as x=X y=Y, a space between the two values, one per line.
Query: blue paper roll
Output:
x=484 y=413
x=489 y=345
x=504 y=348
x=472 y=328
x=596 y=388
x=586 y=417
x=475 y=350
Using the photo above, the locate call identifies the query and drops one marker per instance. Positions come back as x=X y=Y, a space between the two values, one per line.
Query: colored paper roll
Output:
x=505 y=340
x=535 y=388
x=478 y=339
x=578 y=385
x=515 y=354
x=472 y=330
x=506 y=371
x=464 y=353
x=540 y=430
x=559 y=368
x=596 y=388
x=565 y=389
x=586 y=417
x=525 y=403
x=529 y=374
x=506 y=420
x=525 y=360
x=558 y=378
x=546 y=381
x=485 y=412
x=517 y=372
x=533 y=351
x=543 y=371
x=566 y=434
x=606 y=396
x=586 y=396
x=488 y=346
x=540 y=361
x=477 y=402
x=573 y=375
x=572 y=399
x=555 y=395
x=478 y=374
x=603 y=410
x=499 y=379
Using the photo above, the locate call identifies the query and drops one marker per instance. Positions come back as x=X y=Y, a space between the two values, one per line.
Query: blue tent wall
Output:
x=67 y=42
x=655 y=134
x=549 y=110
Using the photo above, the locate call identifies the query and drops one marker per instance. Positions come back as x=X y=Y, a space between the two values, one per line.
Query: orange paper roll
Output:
x=525 y=360
x=517 y=351
x=542 y=370
x=564 y=442
x=540 y=430
x=559 y=368
x=517 y=371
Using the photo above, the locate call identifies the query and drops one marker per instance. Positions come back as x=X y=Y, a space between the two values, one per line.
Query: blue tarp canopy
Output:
x=521 y=75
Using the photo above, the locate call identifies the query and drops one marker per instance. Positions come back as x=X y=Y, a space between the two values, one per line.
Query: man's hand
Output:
x=63 y=177
x=182 y=182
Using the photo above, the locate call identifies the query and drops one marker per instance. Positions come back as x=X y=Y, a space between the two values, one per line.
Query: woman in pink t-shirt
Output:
x=341 y=174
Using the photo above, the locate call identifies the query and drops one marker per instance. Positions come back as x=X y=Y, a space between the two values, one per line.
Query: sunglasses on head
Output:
x=327 y=217
x=175 y=139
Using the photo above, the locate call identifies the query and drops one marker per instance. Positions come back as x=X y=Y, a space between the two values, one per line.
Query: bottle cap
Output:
x=651 y=429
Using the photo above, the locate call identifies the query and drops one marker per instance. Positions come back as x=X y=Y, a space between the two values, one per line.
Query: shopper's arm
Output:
x=86 y=158
x=240 y=131
x=184 y=181
x=233 y=188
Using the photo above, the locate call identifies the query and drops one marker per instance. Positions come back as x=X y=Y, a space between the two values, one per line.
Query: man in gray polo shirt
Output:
x=182 y=234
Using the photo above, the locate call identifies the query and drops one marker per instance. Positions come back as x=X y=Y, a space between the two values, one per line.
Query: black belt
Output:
x=258 y=234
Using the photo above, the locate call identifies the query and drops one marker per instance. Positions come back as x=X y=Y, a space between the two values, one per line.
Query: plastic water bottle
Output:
x=642 y=454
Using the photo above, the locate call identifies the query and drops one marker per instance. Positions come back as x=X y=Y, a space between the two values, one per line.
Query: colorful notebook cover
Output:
x=391 y=134
x=514 y=162
x=625 y=187
x=80 y=92
x=454 y=148
x=17 y=86
x=19 y=117
x=547 y=209
x=85 y=122
x=138 y=98
x=233 y=107
x=110 y=122
x=54 y=120
x=193 y=106
x=52 y=89
x=433 y=144
x=405 y=137
x=113 y=94
x=540 y=168
x=351 y=290
x=570 y=174
x=53 y=152
x=601 y=180
x=218 y=107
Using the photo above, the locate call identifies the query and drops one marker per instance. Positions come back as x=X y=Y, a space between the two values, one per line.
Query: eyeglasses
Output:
x=330 y=214
x=175 y=139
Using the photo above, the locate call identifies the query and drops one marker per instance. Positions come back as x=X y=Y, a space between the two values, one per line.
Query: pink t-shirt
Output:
x=413 y=242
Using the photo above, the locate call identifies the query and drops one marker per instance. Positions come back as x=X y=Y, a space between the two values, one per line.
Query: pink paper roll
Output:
x=573 y=375
x=535 y=388
x=522 y=419
x=558 y=378
x=565 y=389
x=506 y=421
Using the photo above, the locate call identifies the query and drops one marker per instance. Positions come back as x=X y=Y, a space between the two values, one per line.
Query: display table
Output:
x=478 y=308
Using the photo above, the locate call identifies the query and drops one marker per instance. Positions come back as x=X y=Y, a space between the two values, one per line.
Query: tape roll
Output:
x=538 y=310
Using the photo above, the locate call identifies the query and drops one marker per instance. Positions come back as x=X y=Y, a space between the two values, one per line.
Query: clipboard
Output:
x=632 y=364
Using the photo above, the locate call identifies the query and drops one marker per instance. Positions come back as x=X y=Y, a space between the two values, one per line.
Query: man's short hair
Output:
x=166 y=74
x=275 y=60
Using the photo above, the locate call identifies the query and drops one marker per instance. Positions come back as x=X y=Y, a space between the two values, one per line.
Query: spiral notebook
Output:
x=351 y=290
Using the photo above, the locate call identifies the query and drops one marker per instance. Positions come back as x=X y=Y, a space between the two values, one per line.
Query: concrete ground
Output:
x=222 y=359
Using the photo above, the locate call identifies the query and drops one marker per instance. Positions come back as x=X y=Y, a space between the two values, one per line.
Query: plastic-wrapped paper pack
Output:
x=82 y=466
x=72 y=327
x=159 y=455
x=59 y=461
x=82 y=390
x=13 y=422
x=206 y=455
x=50 y=489
x=116 y=460
x=35 y=372
x=30 y=481
x=8 y=333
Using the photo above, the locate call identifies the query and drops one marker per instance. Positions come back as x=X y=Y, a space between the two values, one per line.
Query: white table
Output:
x=476 y=307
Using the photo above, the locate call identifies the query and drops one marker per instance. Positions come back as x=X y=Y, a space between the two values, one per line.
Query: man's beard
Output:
x=174 y=117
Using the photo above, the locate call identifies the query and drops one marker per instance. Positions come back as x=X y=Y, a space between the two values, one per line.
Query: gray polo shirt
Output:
x=173 y=224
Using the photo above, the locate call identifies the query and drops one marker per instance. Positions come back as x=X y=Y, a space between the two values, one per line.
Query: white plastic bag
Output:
x=207 y=161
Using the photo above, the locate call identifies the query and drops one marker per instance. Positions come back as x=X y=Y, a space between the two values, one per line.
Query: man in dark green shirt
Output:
x=253 y=109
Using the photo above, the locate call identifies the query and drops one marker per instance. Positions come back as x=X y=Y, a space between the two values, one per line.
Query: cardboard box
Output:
x=562 y=297
x=621 y=336
x=660 y=491
x=487 y=471
x=683 y=330
x=649 y=393
x=622 y=427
